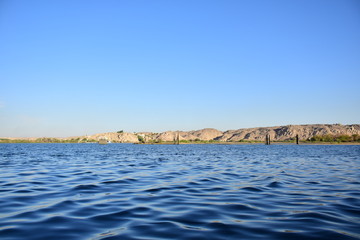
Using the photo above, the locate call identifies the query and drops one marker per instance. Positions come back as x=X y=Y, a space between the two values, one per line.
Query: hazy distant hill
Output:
x=279 y=133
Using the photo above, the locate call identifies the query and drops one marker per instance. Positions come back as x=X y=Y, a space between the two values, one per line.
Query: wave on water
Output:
x=124 y=191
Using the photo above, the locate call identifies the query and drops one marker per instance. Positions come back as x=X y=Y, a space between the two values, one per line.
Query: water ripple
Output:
x=123 y=191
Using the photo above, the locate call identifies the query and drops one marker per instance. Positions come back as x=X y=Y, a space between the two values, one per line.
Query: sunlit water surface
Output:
x=125 y=191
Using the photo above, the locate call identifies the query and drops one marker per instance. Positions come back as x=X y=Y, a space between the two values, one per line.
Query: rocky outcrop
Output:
x=203 y=134
x=207 y=134
x=283 y=133
x=115 y=137
x=278 y=133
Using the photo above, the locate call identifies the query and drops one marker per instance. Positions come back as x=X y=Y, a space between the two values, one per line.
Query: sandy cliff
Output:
x=282 y=133
x=115 y=137
x=278 y=133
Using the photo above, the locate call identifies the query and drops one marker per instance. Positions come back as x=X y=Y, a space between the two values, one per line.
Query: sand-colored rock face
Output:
x=207 y=134
x=203 y=134
x=282 y=133
x=116 y=137
x=279 y=133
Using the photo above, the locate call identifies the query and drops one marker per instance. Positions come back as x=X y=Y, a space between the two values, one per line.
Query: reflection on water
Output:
x=125 y=191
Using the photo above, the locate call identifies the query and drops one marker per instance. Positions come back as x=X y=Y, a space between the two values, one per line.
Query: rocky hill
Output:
x=278 y=133
x=283 y=133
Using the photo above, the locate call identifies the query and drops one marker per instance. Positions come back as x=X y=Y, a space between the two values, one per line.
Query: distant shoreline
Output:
x=257 y=143
x=305 y=134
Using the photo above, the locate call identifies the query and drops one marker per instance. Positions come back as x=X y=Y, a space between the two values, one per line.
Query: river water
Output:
x=127 y=191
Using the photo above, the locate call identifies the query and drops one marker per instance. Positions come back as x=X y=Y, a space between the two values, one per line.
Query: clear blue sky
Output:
x=71 y=67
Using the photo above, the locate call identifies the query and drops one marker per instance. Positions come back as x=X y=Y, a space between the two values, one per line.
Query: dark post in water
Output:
x=177 y=138
x=267 y=139
x=297 y=139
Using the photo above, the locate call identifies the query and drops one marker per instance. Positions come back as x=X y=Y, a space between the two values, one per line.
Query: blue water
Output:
x=125 y=191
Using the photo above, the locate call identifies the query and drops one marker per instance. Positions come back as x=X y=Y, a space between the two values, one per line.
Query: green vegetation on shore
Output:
x=336 y=138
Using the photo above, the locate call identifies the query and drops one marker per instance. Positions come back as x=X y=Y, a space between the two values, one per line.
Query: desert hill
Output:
x=277 y=133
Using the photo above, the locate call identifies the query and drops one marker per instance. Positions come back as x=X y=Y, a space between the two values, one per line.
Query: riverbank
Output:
x=190 y=143
x=256 y=143
x=312 y=133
